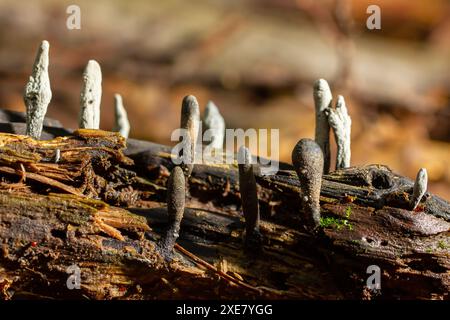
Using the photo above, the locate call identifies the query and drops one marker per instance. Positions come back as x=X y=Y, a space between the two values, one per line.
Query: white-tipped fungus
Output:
x=420 y=187
x=190 y=121
x=121 y=123
x=37 y=93
x=322 y=101
x=341 y=123
x=214 y=122
x=91 y=95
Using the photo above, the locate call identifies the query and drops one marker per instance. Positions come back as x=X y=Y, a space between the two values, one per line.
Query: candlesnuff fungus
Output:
x=322 y=101
x=341 y=123
x=307 y=158
x=90 y=97
x=190 y=121
x=121 y=123
x=215 y=123
x=176 y=197
x=249 y=196
x=419 y=189
x=37 y=93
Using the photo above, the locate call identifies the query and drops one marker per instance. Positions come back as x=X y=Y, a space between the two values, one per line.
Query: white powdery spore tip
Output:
x=190 y=121
x=91 y=95
x=121 y=123
x=420 y=188
x=322 y=101
x=37 y=93
x=341 y=123
x=215 y=123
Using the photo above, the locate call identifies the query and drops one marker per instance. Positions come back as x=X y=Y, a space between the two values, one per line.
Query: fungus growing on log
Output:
x=322 y=101
x=90 y=97
x=215 y=123
x=307 y=158
x=420 y=187
x=37 y=93
x=190 y=121
x=249 y=197
x=121 y=123
x=176 y=194
x=341 y=123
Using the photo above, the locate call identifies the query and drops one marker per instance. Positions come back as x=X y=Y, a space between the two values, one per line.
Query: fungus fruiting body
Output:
x=322 y=101
x=37 y=93
x=121 y=123
x=215 y=123
x=420 y=188
x=190 y=121
x=90 y=97
x=176 y=197
x=341 y=123
x=307 y=158
x=249 y=196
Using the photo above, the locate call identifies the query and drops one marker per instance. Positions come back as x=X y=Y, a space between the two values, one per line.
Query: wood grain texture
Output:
x=111 y=226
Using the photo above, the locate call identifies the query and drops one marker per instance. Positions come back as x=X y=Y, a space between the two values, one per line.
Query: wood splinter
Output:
x=307 y=158
x=57 y=155
x=176 y=198
x=249 y=198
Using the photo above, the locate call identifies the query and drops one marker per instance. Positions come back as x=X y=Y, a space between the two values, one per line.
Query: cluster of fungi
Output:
x=101 y=172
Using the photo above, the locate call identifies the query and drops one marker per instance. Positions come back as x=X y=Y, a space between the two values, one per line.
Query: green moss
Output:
x=328 y=222
x=74 y=210
x=74 y=217
x=442 y=245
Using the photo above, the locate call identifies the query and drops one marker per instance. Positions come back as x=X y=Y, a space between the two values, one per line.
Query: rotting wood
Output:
x=106 y=230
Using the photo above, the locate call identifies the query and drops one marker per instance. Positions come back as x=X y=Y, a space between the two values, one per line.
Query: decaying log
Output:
x=102 y=208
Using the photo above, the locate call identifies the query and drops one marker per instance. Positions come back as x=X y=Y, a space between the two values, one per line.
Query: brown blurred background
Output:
x=257 y=60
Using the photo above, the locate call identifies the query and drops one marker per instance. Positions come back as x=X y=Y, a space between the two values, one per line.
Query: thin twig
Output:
x=44 y=180
x=215 y=270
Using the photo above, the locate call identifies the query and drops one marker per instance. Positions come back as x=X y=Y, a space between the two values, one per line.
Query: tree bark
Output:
x=101 y=207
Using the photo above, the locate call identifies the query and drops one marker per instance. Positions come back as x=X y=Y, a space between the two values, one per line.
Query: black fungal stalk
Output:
x=190 y=121
x=249 y=198
x=176 y=197
x=307 y=158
